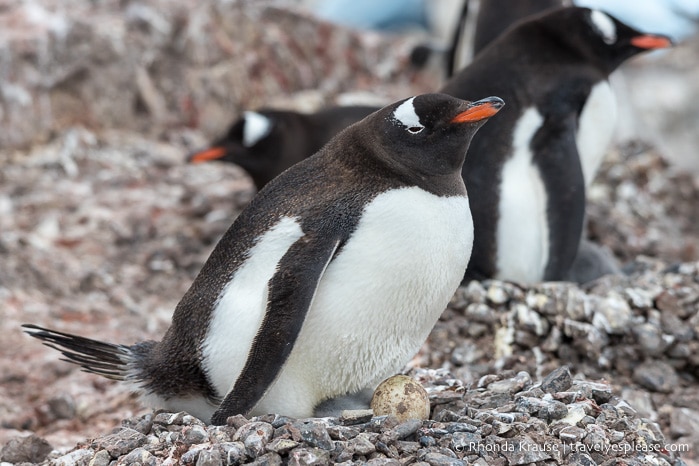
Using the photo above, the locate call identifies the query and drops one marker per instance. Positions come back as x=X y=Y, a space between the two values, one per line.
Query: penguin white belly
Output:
x=596 y=129
x=378 y=299
x=522 y=230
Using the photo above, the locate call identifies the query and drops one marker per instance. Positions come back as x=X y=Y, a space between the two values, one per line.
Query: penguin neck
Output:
x=449 y=183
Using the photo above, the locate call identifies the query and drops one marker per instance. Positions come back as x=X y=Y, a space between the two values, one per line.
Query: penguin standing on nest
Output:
x=326 y=284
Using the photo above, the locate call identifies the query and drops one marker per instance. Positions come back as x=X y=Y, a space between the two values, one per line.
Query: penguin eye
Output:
x=415 y=129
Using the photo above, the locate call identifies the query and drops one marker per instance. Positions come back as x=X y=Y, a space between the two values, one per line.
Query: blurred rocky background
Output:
x=103 y=227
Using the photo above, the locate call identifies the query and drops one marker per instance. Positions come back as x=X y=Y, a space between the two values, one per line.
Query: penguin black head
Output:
x=429 y=134
x=252 y=142
x=598 y=36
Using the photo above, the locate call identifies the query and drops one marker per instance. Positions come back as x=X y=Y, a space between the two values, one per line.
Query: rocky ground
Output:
x=103 y=228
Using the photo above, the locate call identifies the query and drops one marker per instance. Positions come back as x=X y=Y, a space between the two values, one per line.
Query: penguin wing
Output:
x=557 y=157
x=291 y=293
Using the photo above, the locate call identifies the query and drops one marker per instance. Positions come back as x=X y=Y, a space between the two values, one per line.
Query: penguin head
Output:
x=429 y=134
x=256 y=143
x=600 y=37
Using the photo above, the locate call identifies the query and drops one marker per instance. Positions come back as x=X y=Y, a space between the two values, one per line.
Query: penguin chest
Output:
x=379 y=297
x=595 y=128
x=522 y=229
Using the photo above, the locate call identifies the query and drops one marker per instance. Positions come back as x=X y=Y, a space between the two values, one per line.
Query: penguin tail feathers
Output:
x=105 y=359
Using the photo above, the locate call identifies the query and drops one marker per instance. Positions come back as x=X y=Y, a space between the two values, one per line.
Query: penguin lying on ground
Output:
x=328 y=282
x=529 y=168
x=267 y=142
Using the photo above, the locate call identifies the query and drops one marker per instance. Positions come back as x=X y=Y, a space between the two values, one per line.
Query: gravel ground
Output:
x=103 y=230
x=102 y=233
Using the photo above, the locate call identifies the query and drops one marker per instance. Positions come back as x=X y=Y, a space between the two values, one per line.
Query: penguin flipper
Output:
x=291 y=293
x=557 y=157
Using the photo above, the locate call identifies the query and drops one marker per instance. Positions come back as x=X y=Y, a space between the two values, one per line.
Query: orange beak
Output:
x=479 y=110
x=650 y=41
x=208 y=154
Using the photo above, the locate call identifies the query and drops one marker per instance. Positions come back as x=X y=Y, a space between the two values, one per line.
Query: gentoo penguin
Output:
x=529 y=168
x=266 y=142
x=482 y=21
x=328 y=282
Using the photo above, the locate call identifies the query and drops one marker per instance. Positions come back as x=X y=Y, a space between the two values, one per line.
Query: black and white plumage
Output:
x=529 y=168
x=327 y=283
x=483 y=21
x=266 y=142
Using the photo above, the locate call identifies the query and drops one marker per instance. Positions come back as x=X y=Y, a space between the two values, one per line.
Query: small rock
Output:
x=580 y=459
x=30 y=449
x=342 y=432
x=649 y=339
x=80 y=457
x=496 y=294
x=281 y=445
x=439 y=459
x=657 y=376
x=362 y=444
x=513 y=385
x=314 y=433
x=309 y=457
x=350 y=417
x=531 y=320
x=140 y=456
x=402 y=430
x=553 y=410
x=234 y=452
x=209 y=457
x=684 y=421
x=612 y=315
x=481 y=313
x=576 y=412
x=120 y=443
x=467 y=442
x=62 y=407
x=101 y=458
x=558 y=380
x=268 y=459
x=255 y=436
x=523 y=450
x=194 y=434
x=641 y=402
x=571 y=434
x=640 y=298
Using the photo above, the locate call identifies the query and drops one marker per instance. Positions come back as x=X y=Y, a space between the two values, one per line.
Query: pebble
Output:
x=656 y=376
x=255 y=436
x=30 y=449
x=314 y=433
x=496 y=295
x=558 y=380
x=355 y=416
x=473 y=429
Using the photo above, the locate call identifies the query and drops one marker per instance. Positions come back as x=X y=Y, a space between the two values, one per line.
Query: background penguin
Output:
x=529 y=168
x=267 y=142
x=492 y=18
x=327 y=283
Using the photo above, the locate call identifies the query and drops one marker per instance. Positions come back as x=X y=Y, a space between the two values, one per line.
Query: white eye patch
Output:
x=406 y=116
x=257 y=126
x=604 y=26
